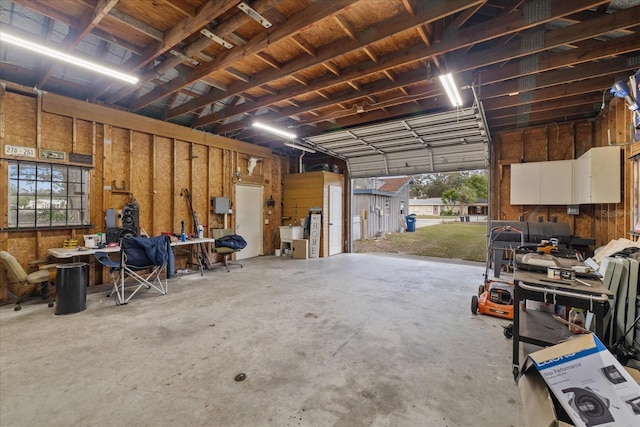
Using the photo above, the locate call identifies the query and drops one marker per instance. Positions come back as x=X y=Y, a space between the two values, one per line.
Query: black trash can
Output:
x=71 y=288
x=411 y=222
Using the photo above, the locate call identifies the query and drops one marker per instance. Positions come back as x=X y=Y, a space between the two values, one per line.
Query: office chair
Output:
x=17 y=275
x=227 y=243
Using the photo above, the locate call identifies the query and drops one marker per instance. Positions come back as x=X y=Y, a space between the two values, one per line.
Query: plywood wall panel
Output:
x=144 y=154
x=142 y=178
x=535 y=145
x=200 y=184
x=20 y=120
x=182 y=179
x=120 y=158
x=509 y=145
x=560 y=139
x=57 y=132
x=84 y=137
x=163 y=186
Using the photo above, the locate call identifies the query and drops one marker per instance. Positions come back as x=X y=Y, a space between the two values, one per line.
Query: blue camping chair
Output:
x=142 y=264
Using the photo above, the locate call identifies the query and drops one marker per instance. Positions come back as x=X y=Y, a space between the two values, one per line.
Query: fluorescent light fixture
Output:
x=276 y=131
x=62 y=56
x=451 y=89
x=299 y=147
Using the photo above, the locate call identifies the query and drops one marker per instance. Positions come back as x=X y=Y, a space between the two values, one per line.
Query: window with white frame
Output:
x=44 y=195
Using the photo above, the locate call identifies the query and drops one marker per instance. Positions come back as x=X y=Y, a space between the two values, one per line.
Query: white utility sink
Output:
x=288 y=233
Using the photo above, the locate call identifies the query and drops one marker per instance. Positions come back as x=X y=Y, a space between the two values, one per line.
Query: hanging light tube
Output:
x=299 y=147
x=451 y=89
x=274 y=130
x=62 y=56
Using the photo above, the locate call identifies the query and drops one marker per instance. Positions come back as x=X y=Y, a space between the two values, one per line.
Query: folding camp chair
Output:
x=233 y=244
x=142 y=259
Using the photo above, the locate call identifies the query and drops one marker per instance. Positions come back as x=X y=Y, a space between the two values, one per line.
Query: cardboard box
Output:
x=300 y=249
x=578 y=383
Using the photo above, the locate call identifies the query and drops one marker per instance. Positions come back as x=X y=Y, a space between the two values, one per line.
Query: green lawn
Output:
x=464 y=241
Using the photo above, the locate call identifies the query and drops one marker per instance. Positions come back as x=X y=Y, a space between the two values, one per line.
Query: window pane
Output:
x=75 y=175
x=44 y=173
x=43 y=217
x=45 y=195
x=44 y=188
x=74 y=216
x=26 y=218
x=59 y=217
x=13 y=217
x=27 y=171
x=59 y=173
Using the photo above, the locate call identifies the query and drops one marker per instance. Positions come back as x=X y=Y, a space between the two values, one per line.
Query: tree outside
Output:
x=455 y=188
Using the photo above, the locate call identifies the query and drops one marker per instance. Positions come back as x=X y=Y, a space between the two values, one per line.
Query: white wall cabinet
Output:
x=592 y=178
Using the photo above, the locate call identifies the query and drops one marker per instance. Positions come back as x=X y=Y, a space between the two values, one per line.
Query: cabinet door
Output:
x=556 y=182
x=525 y=183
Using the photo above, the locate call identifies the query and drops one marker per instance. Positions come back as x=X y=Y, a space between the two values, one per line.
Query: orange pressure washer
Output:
x=495 y=295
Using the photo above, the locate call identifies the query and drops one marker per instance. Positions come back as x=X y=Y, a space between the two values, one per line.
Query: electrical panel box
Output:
x=220 y=205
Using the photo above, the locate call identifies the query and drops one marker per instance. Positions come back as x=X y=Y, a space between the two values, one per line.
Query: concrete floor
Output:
x=351 y=340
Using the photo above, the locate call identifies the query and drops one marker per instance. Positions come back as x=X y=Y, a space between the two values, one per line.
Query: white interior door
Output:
x=248 y=212
x=335 y=220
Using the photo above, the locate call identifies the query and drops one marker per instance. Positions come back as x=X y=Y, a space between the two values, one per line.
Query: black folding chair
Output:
x=143 y=260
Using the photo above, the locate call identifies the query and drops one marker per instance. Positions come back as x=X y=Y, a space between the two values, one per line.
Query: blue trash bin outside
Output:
x=411 y=222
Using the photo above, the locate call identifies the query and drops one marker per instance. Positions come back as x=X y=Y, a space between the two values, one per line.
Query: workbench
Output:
x=540 y=328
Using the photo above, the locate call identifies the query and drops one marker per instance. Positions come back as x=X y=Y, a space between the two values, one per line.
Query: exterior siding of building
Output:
x=380 y=212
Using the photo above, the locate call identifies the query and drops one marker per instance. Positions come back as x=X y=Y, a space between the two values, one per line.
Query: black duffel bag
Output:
x=233 y=241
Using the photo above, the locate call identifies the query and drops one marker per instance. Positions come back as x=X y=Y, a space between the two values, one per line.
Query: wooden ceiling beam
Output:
x=557 y=77
x=237 y=74
x=331 y=67
x=389 y=75
x=374 y=115
x=410 y=6
x=346 y=26
x=371 y=54
x=181 y=6
x=261 y=41
x=49 y=9
x=568 y=114
x=269 y=60
x=136 y=25
x=303 y=44
x=215 y=83
x=57 y=15
x=89 y=21
x=303 y=81
x=106 y=36
x=377 y=32
x=354 y=85
x=269 y=90
x=465 y=15
x=550 y=105
x=417 y=53
x=598 y=84
x=347 y=96
x=189 y=25
x=554 y=38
